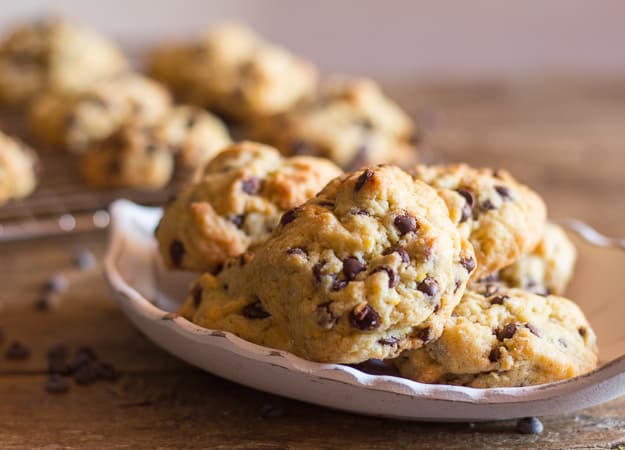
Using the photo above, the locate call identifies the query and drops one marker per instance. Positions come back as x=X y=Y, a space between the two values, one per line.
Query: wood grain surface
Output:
x=566 y=138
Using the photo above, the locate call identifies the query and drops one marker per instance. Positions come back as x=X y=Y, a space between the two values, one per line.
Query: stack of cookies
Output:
x=450 y=273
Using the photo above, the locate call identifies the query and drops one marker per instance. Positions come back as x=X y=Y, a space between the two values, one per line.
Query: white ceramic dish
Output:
x=149 y=295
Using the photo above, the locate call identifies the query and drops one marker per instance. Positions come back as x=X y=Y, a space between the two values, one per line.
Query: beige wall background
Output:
x=392 y=38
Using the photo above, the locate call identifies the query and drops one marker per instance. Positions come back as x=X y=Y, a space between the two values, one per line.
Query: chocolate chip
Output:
x=405 y=224
x=57 y=351
x=325 y=204
x=437 y=307
x=529 y=425
x=498 y=299
x=176 y=252
x=364 y=317
x=56 y=384
x=352 y=267
x=582 y=331
x=297 y=251
x=494 y=355
x=287 y=217
x=17 y=350
x=106 y=371
x=362 y=179
x=56 y=283
x=532 y=329
x=487 y=205
x=504 y=192
x=490 y=289
x=392 y=276
x=252 y=185
x=467 y=212
x=457 y=286
x=391 y=340
x=85 y=260
x=339 y=284
x=429 y=286
x=468 y=196
x=425 y=334
x=237 y=220
x=325 y=317
x=86 y=374
x=317 y=270
x=255 y=311
x=468 y=263
x=506 y=332
x=401 y=251
x=197 y=296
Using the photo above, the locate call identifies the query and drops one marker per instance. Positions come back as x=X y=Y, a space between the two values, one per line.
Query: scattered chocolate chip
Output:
x=487 y=205
x=498 y=299
x=85 y=260
x=271 y=411
x=287 y=217
x=391 y=340
x=176 y=252
x=429 y=286
x=252 y=185
x=297 y=251
x=17 y=350
x=325 y=317
x=504 y=192
x=57 y=351
x=405 y=224
x=468 y=263
x=425 y=334
x=401 y=251
x=317 y=270
x=352 y=267
x=364 y=317
x=339 y=284
x=197 y=296
x=237 y=220
x=362 y=179
x=255 y=311
x=86 y=374
x=494 y=355
x=392 y=276
x=106 y=371
x=56 y=283
x=506 y=332
x=529 y=425
x=56 y=384
x=581 y=330
x=533 y=329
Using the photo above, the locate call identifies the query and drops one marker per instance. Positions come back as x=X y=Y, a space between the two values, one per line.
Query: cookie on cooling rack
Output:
x=235 y=72
x=371 y=266
x=513 y=338
x=76 y=122
x=54 y=55
x=18 y=169
x=235 y=204
x=132 y=157
x=352 y=123
x=502 y=218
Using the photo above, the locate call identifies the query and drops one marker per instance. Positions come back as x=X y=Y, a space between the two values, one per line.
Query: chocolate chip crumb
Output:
x=506 y=332
x=392 y=276
x=56 y=384
x=17 y=350
x=255 y=311
x=252 y=185
x=494 y=355
x=352 y=267
x=362 y=179
x=401 y=251
x=176 y=252
x=405 y=224
x=364 y=317
x=529 y=425
x=429 y=286
x=287 y=217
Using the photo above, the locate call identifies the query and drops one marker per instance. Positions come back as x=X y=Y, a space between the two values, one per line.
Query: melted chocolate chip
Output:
x=352 y=267
x=252 y=185
x=362 y=179
x=392 y=276
x=237 y=220
x=498 y=299
x=287 y=217
x=197 y=296
x=176 y=252
x=429 y=286
x=532 y=329
x=255 y=311
x=425 y=334
x=325 y=317
x=405 y=224
x=504 y=192
x=506 y=332
x=468 y=263
x=391 y=340
x=297 y=251
x=364 y=317
x=494 y=355
x=401 y=251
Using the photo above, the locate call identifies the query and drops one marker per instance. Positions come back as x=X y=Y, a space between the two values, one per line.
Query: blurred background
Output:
x=392 y=38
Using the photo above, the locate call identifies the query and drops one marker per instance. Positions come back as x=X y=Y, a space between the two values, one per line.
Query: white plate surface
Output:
x=149 y=294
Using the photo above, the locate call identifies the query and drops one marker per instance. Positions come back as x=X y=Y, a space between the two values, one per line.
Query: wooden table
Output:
x=565 y=138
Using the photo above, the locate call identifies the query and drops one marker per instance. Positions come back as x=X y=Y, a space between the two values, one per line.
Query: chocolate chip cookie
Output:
x=512 y=338
x=352 y=123
x=75 y=122
x=18 y=167
x=236 y=203
x=132 y=157
x=54 y=56
x=371 y=266
x=502 y=218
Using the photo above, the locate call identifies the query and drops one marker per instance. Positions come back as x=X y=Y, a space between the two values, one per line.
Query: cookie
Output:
x=235 y=72
x=235 y=204
x=76 y=122
x=195 y=135
x=352 y=123
x=132 y=157
x=18 y=167
x=514 y=338
x=502 y=218
x=54 y=56
x=371 y=266
x=546 y=270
